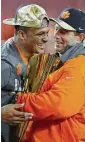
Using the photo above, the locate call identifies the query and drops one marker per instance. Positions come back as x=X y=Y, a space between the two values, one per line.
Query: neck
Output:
x=73 y=52
x=22 y=49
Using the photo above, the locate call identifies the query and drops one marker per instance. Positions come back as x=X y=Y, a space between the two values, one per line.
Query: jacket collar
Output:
x=73 y=51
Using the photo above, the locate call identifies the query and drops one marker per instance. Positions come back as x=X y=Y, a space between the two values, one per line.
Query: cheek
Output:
x=37 y=40
x=67 y=40
x=72 y=41
x=31 y=42
x=34 y=41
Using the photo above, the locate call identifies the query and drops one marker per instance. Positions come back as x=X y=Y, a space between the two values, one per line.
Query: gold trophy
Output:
x=40 y=67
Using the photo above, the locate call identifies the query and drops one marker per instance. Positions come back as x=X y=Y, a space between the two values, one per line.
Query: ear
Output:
x=82 y=36
x=21 y=34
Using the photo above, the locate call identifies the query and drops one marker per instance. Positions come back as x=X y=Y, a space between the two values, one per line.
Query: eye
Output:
x=43 y=34
x=62 y=31
x=40 y=34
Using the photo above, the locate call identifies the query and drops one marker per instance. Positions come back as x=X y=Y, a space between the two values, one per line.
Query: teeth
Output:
x=58 y=42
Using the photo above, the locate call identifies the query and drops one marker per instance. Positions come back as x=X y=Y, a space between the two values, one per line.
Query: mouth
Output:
x=58 y=43
x=40 y=48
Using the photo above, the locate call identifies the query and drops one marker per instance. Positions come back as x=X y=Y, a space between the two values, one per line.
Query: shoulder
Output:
x=76 y=65
x=75 y=62
x=6 y=48
x=10 y=54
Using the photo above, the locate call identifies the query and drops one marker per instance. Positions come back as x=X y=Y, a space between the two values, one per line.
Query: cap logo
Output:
x=65 y=15
x=80 y=28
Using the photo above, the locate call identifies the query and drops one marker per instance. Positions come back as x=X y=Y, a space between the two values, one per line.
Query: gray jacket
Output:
x=10 y=80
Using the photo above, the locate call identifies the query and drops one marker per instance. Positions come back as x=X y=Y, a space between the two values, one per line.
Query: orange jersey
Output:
x=59 y=108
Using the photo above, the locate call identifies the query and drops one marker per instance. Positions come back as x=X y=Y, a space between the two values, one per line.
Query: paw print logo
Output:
x=65 y=15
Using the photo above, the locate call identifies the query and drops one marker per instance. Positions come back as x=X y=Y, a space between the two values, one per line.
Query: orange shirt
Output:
x=59 y=108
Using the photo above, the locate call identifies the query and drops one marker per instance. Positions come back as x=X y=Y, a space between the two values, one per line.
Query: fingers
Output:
x=16 y=122
x=17 y=106
x=22 y=114
x=18 y=119
x=28 y=116
x=19 y=113
x=22 y=117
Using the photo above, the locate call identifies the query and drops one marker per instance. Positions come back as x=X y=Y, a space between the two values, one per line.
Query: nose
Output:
x=57 y=35
x=45 y=38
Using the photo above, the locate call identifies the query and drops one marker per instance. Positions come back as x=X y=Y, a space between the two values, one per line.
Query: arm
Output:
x=7 y=86
x=63 y=99
x=5 y=73
x=10 y=113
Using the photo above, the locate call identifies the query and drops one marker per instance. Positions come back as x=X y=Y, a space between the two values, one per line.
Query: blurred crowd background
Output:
x=53 y=8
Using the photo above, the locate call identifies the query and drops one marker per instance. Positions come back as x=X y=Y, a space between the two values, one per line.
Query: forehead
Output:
x=62 y=30
x=39 y=30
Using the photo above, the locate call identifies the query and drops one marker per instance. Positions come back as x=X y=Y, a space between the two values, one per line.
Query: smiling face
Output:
x=32 y=40
x=35 y=39
x=65 y=38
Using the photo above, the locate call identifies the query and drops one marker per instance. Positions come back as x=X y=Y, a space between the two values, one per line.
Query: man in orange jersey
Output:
x=59 y=108
x=31 y=33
